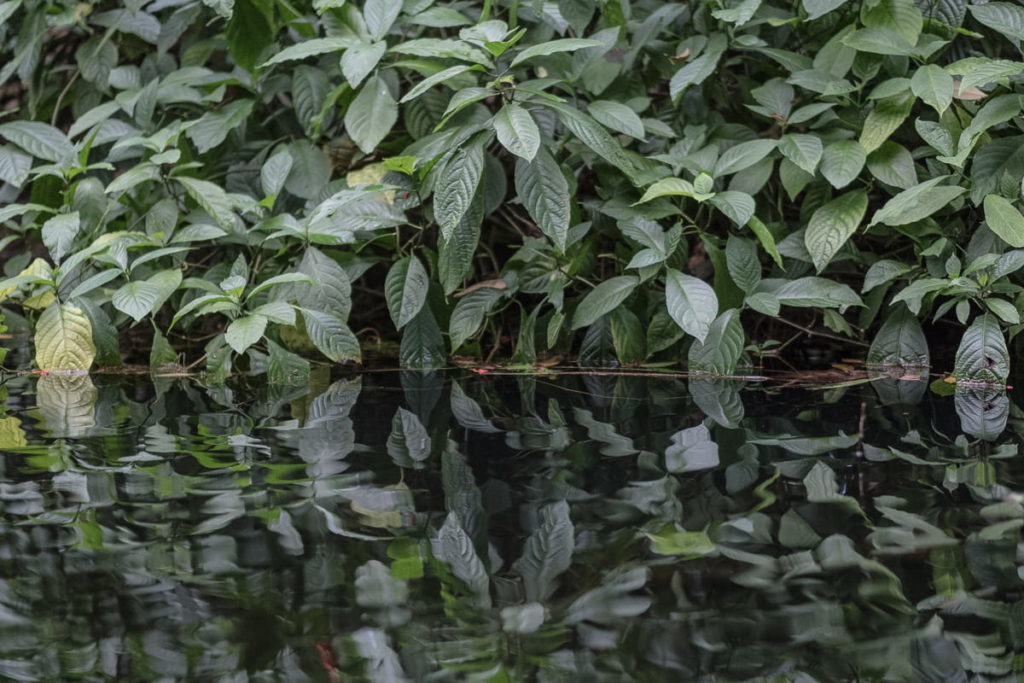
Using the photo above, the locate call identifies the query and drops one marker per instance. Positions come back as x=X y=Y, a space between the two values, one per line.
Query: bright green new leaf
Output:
x=63 y=339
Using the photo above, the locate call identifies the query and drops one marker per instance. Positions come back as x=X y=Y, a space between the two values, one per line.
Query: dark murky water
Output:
x=458 y=528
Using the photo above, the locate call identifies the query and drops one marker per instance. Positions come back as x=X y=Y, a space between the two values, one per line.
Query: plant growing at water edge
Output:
x=626 y=181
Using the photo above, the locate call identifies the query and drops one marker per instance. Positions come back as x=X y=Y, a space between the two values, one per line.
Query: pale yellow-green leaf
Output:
x=64 y=339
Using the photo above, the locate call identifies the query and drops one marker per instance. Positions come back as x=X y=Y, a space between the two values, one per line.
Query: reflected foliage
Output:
x=436 y=527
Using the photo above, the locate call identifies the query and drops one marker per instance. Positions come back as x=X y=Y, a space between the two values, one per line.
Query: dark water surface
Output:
x=431 y=527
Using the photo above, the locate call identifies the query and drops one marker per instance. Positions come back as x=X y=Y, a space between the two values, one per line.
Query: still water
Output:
x=438 y=527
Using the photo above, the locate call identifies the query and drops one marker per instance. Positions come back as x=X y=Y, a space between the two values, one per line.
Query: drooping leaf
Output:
x=691 y=302
x=406 y=290
x=544 y=192
x=371 y=115
x=1005 y=220
x=900 y=341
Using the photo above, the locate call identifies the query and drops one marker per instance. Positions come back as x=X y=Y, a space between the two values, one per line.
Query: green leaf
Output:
x=553 y=46
x=213 y=127
x=63 y=339
x=547 y=553
x=41 y=140
x=668 y=187
x=59 y=233
x=422 y=346
x=1006 y=311
x=883 y=271
x=883 y=120
x=517 y=131
x=900 y=341
x=744 y=265
x=430 y=81
x=358 y=62
x=329 y=289
x=1003 y=218
x=380 y=15
x=246 y=331
x=310 y=48
x=742 y=156
x=720 y=351
x=691 y=302
x=892 y=163
x=917 y=203
x=1005 y=17
x=842 y=162
x=816 y=291
x=694 y=73
x=627 y=336
x=879 y=41
x=739 y=206
x=331 y=336
x=618 y=117
x=457 y=184
x=934 y=86
x=275 y=171
x=136 y=299
x=603 y=299
x=685 y=544
x=819 y=8
x=406 y=290
x=371 y=115
x=544 y=192
x=833 y=224
x=765 y=237
x=211 y=198
x=469 y=314
x=802 y=149
x=982 y=355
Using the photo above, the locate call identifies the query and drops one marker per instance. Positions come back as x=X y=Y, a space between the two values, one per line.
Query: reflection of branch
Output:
x=825 y=335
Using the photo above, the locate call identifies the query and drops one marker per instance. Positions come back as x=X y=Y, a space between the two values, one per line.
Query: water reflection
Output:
x=431 y=527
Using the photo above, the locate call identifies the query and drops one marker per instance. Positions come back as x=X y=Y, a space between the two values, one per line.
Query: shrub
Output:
x=623 y=181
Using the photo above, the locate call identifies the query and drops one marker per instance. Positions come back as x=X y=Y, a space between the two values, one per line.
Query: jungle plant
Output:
x=625 y=181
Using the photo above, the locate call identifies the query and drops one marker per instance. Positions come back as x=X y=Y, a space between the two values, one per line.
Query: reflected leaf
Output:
x=688 y=544
x=376 y=587
x=718 y=399
x=409 y=444
x=615 y=598
x=453 y=546
x=12 y=436
x=66 y=404
x=522 y=618
x=691 y=450
x=547 y=553
x=468 y=412
x=983 y=411
x=613 y=444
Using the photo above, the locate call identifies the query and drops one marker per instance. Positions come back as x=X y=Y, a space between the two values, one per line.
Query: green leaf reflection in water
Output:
x=431 y=527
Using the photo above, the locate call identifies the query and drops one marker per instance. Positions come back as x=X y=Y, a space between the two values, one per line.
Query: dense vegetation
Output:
x=251 y=181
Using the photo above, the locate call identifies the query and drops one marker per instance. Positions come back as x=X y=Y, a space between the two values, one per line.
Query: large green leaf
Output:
x=406 y=290
x=246 y=331
x=816 y=291
x=802 y=149
x=603 y=299
x=1005 y=220
x=456 y=185
x=553 y=46
x=833 y=224
x=720 y=351
x=331 y=336
x=982 y=355
x=371 y=115
x=517 y=131
x=469 y=314
x=691 y=302
x=917 y=203
x=544 y=192
x=900 y=341
x=41 y=140
x=63 y=339
x=841 y=162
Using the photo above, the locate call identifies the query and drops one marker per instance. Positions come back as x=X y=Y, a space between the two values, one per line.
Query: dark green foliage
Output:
x=285 y=173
